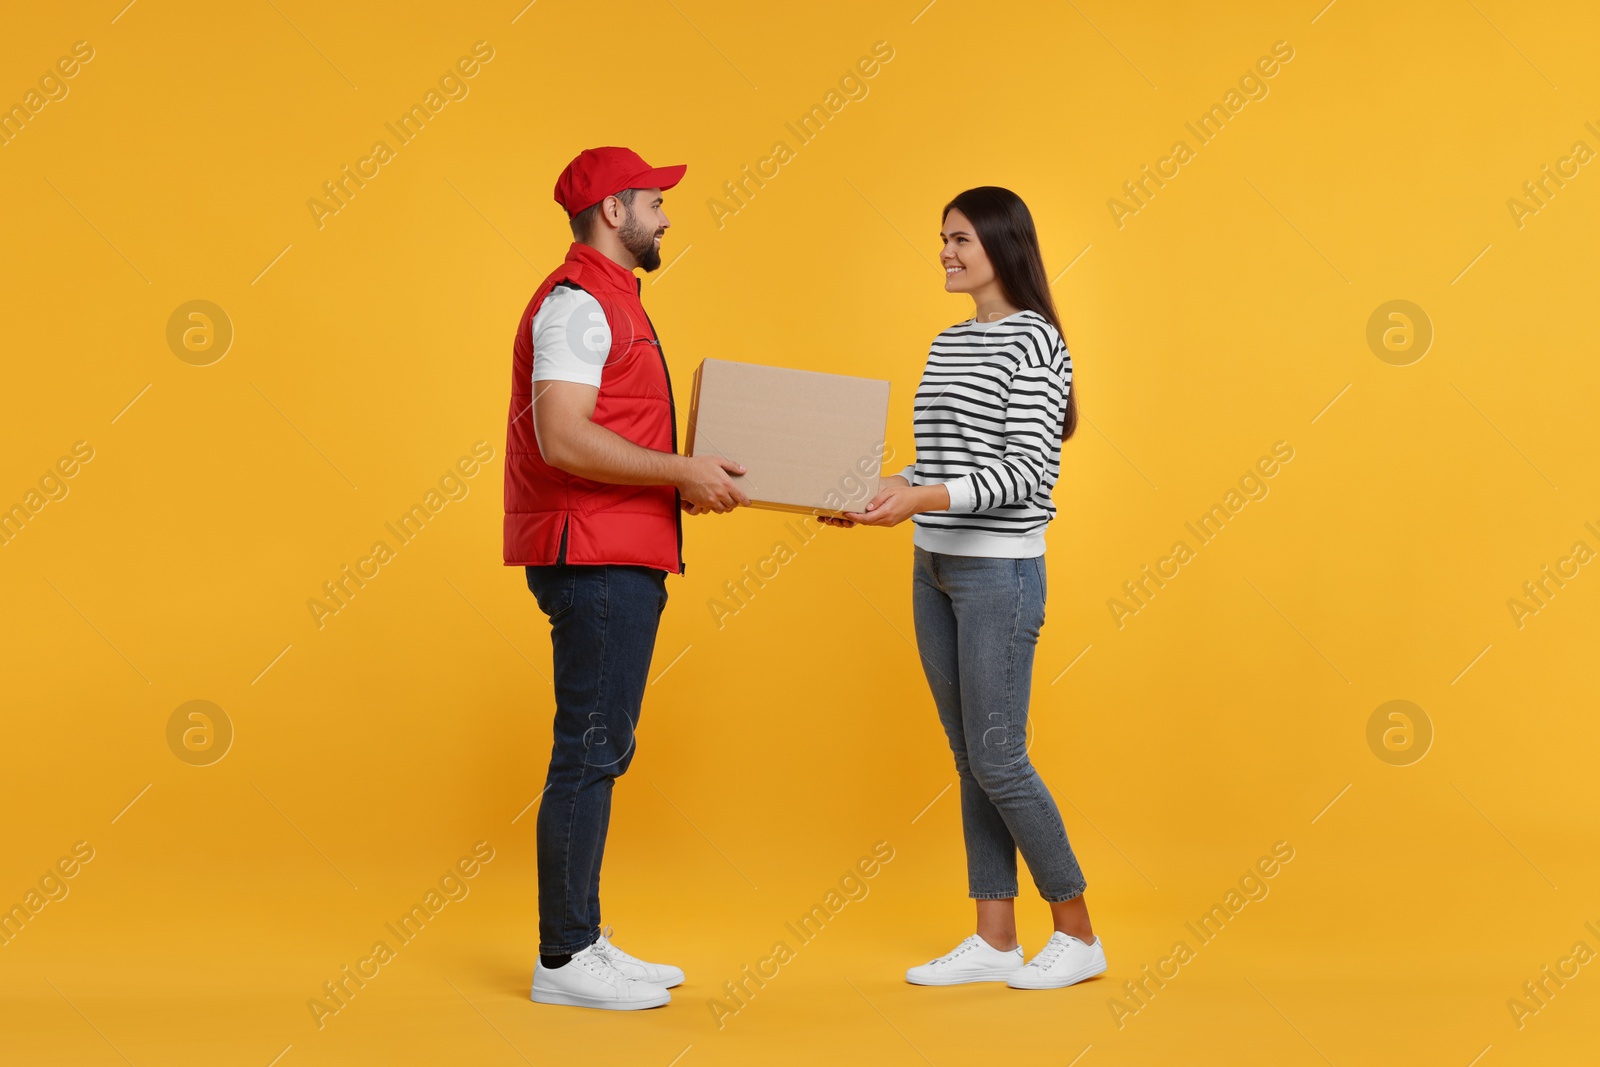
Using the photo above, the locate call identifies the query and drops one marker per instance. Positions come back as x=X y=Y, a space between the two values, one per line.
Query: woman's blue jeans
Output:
x=978 y=621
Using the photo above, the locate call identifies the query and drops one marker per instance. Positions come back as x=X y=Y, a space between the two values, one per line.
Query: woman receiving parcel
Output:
x=994 y=405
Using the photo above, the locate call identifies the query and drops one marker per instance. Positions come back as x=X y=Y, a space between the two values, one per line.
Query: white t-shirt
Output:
x=571 y=338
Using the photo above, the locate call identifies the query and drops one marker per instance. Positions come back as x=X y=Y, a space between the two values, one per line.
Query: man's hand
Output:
x=706 y=486
x=896 y=502
x=569 y=440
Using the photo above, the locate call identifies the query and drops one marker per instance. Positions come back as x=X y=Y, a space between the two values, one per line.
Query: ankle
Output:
x=1000 y=944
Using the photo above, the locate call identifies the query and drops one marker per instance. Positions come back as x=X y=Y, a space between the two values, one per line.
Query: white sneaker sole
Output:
x=964 y=978
x=1058 y=983
x=574 y=1000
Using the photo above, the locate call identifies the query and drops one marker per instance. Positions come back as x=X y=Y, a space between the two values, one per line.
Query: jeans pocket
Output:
x=1044 y=585
x=554 y=589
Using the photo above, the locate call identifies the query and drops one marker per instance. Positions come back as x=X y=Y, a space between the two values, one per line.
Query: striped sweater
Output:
x=987 y=418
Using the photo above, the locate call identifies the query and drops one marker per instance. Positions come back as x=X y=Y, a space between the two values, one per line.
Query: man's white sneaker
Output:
x=590 y=981
x=974 y=960
x=664 y=975
x=1063 y=961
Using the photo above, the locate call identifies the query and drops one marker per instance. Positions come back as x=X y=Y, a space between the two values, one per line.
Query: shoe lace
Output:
x=611 y=952
x=594 y=962
x=957 y=951
x=1049 y=953
x=600 y=965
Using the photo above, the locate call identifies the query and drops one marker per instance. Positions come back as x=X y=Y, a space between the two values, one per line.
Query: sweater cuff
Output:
x=907 y=473
x=961 y=496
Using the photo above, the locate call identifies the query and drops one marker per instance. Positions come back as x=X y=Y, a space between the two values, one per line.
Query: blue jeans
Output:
x=977 y=621
x=602 y=631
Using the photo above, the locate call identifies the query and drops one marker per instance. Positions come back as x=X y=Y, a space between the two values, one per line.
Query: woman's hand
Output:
x=843 y=523
x=896 y=503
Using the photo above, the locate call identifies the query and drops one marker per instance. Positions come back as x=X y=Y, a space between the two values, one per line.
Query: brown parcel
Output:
x=810 y=442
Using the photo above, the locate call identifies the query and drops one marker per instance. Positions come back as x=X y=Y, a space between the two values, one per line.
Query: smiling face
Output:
x=642 y=227
x=966 y=265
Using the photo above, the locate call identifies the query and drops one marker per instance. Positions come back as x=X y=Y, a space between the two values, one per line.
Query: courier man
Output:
x=595 y=492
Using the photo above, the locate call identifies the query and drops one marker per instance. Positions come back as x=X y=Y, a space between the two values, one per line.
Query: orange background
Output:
x=369 y=354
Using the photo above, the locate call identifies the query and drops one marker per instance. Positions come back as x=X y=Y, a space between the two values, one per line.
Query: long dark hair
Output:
x=1005 y=229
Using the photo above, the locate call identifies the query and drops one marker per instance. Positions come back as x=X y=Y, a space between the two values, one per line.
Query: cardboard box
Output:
x=810 y=442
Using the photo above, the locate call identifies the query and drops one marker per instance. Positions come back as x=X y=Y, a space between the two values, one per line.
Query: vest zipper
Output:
x=672 y=411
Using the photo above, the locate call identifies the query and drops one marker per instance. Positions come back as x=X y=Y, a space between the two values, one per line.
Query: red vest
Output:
x=604 y=523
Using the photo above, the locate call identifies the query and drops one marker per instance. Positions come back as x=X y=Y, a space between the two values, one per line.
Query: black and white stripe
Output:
x=987 y=419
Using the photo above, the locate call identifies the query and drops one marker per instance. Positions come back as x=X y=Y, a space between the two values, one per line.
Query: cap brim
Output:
x=659 y=178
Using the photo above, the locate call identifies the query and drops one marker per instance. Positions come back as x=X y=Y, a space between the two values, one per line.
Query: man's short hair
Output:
x=583 y=222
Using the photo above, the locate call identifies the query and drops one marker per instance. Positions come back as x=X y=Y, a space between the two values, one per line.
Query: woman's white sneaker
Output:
x=1063 y=961
x=974 y=960
x=590 y=981
x=664 y=975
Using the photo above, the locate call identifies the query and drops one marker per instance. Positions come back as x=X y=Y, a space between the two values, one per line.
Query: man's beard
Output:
x=640 y=240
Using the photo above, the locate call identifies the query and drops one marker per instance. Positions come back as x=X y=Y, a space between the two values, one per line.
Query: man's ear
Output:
x=613 y=212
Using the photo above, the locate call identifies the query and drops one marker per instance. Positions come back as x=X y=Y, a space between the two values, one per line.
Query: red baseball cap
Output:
x=597 y=173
